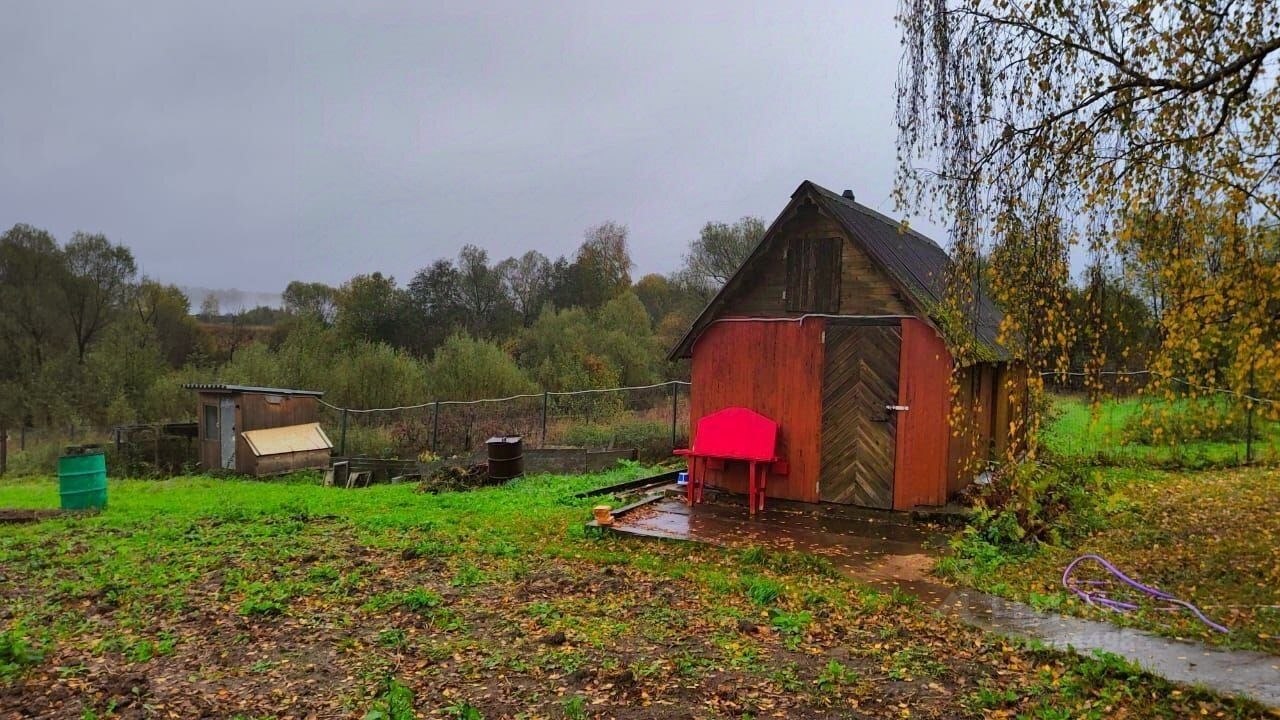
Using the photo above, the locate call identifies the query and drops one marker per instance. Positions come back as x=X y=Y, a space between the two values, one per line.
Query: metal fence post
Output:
x=342 y=442
x=4 y=449
x=1248 y=423
x=675 y=409
x=435 y=428
x=546 y=397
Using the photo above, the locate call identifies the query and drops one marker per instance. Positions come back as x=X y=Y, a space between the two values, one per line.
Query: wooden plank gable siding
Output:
x=972 y=418
x=864 y=289
x=1010 y=422
x=261 y=411
x=288 y=462
x=813 y=274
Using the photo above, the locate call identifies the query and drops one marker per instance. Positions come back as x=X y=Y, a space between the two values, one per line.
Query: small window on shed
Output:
x=813 y=275
x=210 y=422
x=273 y=399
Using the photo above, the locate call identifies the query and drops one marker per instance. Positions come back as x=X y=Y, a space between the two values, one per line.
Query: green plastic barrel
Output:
x=82 y=479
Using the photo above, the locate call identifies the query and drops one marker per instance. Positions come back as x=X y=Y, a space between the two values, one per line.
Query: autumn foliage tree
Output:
x=1140 y=134
x=719 y=250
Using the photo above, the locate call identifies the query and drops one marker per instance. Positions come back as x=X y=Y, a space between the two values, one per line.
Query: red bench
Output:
x=733 y=434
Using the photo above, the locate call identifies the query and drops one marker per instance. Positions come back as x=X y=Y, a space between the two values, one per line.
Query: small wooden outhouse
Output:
x=259 y=430
x=831 y=329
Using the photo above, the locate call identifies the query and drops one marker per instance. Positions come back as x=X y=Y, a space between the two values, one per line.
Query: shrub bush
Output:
x=376 y=375
x=37 y=460
x=40 y=459
x=467 y=369
x=368 y=441
x=1030 y=501
x=651 y=439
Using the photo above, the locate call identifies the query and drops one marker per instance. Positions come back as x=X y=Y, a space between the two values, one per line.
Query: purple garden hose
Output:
x=1100 y=599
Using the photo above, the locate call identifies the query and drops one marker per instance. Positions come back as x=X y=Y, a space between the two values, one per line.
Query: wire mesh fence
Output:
x=35 y=451
x=144 y=450
x=1129 y=422
x=651 y=419
x=1114 y=382
x=1128 y=426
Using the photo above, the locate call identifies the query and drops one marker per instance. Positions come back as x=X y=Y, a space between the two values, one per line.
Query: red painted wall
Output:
x=920 y=462
x=775 y=369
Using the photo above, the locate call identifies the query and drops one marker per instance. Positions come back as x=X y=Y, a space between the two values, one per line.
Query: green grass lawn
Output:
x=1176 y=516
x=1211 y=537
x=1080 y=430
x=232 y=598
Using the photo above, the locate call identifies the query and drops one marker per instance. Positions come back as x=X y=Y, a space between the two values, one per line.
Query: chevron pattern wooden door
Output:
x=860 y=378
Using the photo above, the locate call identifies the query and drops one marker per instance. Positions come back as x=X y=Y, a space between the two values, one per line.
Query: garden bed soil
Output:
x=26 y=515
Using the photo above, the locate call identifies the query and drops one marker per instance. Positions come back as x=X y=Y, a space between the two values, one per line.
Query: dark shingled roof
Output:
x=917 y=263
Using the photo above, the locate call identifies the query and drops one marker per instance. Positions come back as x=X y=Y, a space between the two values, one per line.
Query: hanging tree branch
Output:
x=1037 y=125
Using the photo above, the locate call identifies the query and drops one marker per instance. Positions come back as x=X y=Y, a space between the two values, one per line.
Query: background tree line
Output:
x=86 y=340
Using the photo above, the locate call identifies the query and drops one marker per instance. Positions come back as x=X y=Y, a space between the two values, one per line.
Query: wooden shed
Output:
x=259 y=430
x=828 y=328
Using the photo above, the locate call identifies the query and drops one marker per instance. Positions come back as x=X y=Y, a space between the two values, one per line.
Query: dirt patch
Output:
x=452 y=478
x=24 y=515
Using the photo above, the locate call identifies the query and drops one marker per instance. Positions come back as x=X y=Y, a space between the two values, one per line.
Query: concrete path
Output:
x=1227 y=672
x=887 y=553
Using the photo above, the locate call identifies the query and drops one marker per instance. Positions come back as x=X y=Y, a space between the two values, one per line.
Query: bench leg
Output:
x=764 y=477
x=702 y=481
x=697 y=476
x=693 y=480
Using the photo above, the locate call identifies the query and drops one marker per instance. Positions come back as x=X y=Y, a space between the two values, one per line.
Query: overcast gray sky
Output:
x=246 y=144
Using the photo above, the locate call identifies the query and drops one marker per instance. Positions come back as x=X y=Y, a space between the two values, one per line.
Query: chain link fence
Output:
x=147 y=450
x=1130 y=422
x=1216 y=428
x=651 y=419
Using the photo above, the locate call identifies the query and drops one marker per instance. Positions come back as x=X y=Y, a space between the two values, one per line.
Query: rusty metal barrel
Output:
x=506 y=457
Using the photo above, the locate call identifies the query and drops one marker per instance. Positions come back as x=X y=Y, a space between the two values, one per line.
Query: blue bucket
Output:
x=682 y=478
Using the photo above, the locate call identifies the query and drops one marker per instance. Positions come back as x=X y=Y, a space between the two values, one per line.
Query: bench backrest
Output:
x=736 y=432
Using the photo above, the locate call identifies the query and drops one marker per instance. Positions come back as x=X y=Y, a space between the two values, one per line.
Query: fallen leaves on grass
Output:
x=485 y=604
x=1209 y=537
